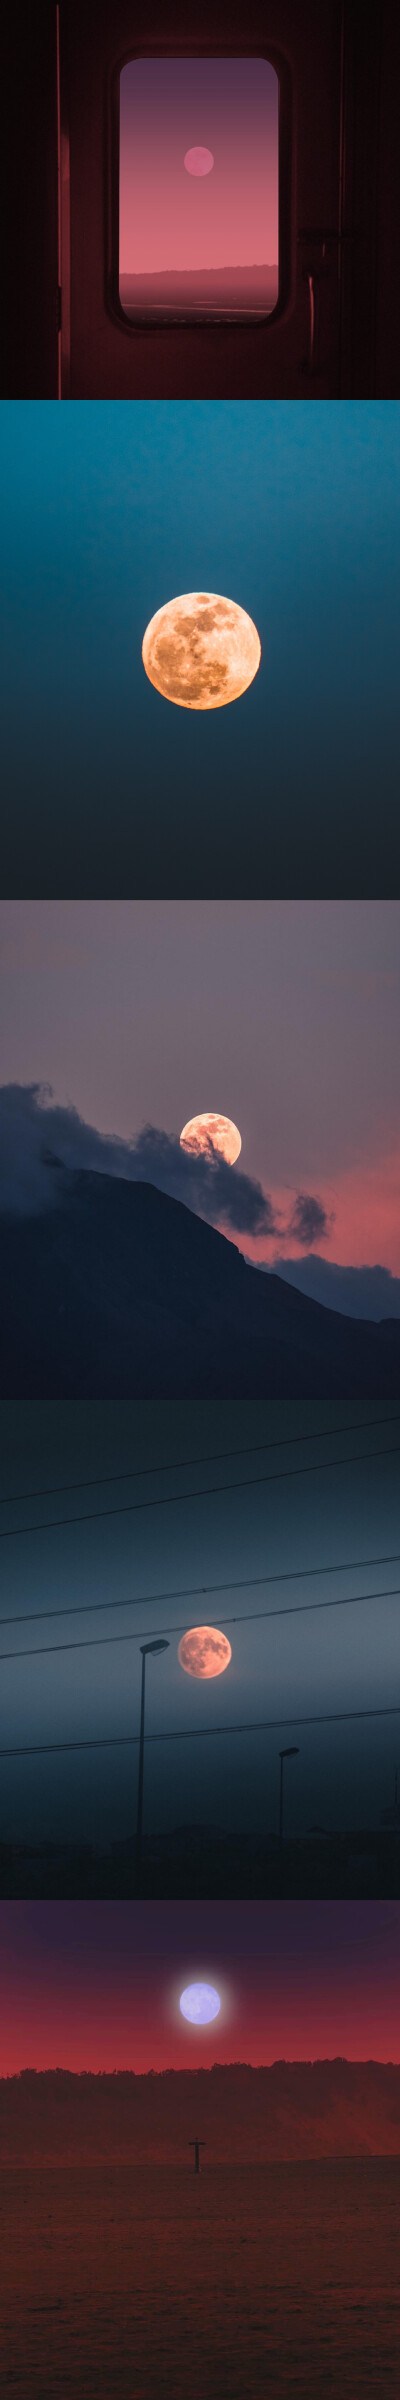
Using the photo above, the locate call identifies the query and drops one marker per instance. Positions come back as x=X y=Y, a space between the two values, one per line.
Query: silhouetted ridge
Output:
x=121 y=1292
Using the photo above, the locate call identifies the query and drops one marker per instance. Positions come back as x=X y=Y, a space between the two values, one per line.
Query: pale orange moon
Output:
x=211 y=1132
x=201 y=650
x=203 y=1651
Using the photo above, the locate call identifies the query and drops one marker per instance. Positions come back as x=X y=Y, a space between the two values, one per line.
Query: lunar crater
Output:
x=201 y=650
x=211 y=1133
x=204 y=1652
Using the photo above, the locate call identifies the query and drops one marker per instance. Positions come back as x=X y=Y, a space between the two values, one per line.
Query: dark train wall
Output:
x=370 y=333
x=29 y=68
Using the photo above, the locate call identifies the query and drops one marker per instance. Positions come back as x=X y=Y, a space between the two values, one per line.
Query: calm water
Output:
x=147 y=2283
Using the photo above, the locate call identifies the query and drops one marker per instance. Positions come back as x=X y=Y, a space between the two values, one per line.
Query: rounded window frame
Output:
x=142 y=323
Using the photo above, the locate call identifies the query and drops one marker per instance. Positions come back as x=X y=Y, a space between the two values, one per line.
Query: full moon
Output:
x=204 y=1651
x=210 y=1132
x=198 y=162
x=199 y=2003
x=201 y=650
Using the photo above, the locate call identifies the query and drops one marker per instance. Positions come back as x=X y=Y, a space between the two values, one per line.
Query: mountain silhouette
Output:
x=236 y=291
x=119 y=1292
x=329 y=2108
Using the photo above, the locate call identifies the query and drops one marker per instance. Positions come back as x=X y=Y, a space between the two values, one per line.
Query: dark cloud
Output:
x=38 y=1138
x=309 y=1221
x=207 y=1183
x=355 y=1291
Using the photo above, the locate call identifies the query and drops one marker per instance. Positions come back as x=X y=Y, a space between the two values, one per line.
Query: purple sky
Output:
x=283 y=1015
x=99 y=1987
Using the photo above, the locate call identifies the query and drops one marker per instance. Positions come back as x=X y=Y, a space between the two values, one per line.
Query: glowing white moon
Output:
x=198 y=162
x=204 y=1651
x=201 y=650
x=199 y=2003
x=209 y=1132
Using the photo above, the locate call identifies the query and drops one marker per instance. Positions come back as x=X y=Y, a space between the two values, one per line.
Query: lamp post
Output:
x=284 y=1754
x=147 y=1649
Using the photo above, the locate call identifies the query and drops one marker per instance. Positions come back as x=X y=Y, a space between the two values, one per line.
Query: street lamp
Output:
x=147 y=1649
x=284 y=1754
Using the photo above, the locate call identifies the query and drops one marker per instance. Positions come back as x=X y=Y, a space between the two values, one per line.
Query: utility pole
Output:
x=197 y=2147
x=284 y=1754
x=147 y=1649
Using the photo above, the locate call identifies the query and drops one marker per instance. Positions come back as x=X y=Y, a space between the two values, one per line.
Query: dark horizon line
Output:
x=253 y=267
x=218 y=2067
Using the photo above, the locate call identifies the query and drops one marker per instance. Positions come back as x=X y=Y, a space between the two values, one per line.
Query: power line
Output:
x=209 y=1491
x=122 y=1741
x=102 y=1641
x=209 y=1458
x=199 y=1591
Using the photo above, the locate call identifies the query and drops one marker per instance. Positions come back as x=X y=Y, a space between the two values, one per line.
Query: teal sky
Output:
x=108 y=510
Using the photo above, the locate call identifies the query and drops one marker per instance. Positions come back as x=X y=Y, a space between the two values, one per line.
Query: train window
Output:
x=198 y=189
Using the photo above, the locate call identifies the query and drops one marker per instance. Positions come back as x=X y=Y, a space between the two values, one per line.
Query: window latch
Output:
x=321 y=246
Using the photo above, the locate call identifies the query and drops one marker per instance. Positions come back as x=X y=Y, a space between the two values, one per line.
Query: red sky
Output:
x=98 y=1987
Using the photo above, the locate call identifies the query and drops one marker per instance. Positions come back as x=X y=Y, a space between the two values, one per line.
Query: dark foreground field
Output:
x=143 y=2283
x=342 y=1867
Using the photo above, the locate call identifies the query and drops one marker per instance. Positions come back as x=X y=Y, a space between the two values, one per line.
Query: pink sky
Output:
x=171 y=219
x=284 y=1015
x=365 y=1202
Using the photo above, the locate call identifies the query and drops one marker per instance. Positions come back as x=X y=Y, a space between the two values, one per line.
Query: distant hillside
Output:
x=205 y=287
x=332 y=2109
x=120 y=1292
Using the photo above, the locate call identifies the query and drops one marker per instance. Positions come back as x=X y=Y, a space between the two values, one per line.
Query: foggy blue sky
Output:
x=340 y=1659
